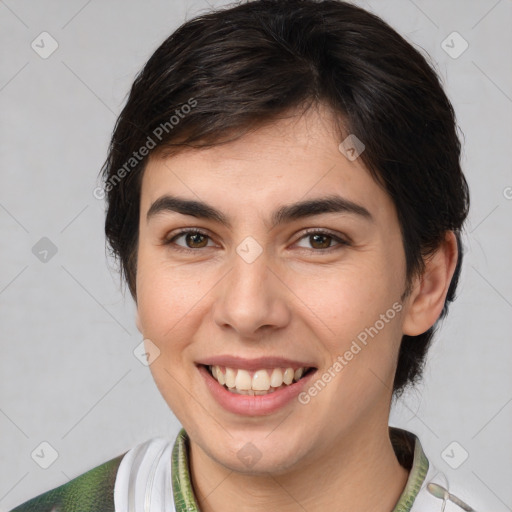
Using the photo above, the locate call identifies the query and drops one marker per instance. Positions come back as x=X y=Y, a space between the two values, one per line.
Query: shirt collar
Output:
x=406 y=445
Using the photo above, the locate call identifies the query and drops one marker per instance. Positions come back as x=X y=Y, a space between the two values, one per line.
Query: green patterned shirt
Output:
x=93 y=491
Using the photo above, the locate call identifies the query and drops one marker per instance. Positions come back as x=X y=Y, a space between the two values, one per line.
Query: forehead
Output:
x=294 y=158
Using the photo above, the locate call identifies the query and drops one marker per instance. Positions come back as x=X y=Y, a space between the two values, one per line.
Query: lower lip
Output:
x=260 y=405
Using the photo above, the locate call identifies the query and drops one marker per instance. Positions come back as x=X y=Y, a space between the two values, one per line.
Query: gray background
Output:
x=68 y=373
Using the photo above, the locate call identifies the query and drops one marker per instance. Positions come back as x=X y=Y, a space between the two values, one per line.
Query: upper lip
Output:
x=253 y=364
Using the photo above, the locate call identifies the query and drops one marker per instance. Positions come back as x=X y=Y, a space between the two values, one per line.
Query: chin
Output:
x=255 y=452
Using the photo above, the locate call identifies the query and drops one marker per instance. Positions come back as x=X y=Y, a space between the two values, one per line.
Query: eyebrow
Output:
x=284 y=214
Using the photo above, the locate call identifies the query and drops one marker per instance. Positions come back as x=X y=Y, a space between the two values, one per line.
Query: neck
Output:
x=356 y=474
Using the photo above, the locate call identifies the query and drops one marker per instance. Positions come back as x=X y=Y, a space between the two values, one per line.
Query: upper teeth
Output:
x=260 y=380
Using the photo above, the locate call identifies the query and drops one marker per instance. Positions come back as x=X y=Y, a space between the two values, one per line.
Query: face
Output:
x=248 y=285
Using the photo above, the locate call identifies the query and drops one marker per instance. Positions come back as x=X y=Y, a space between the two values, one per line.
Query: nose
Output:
x=251 y=299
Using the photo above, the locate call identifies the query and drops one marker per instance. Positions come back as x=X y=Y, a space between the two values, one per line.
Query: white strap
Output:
x=143 y=481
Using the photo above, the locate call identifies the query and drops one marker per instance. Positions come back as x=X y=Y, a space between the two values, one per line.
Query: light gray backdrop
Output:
x=69 y=377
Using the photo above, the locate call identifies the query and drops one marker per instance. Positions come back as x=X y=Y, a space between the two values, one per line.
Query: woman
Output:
x=286 y=200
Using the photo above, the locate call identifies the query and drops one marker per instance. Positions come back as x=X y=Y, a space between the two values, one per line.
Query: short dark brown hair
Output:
x=239 y=67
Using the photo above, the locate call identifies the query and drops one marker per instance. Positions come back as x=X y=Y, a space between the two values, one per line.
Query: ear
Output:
x=427 y=298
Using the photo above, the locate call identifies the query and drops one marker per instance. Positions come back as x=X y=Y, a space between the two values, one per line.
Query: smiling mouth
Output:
x=259 y=382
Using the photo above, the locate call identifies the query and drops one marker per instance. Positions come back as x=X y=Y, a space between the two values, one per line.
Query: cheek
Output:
x=162 y=312
x=354 y=313
x=165 y=307
x=156 y=305
x=344 y=300
x=164 y=294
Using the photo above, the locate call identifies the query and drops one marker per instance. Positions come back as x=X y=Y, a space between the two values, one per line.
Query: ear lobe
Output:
x=429 y=292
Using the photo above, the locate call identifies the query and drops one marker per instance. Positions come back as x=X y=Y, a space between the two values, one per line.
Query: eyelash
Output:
x=195 y=231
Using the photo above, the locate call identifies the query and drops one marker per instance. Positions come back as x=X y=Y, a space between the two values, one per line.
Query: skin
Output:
x=296 y=300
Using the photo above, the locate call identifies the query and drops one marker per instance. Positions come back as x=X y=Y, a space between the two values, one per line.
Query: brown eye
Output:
x=196 y=240
x=322 y=241
x=193 y=239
